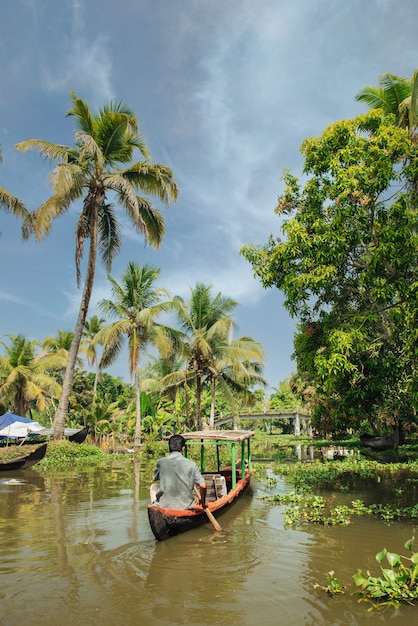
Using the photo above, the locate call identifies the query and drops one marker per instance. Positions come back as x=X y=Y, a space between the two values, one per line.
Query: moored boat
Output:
x=79 y=436
x=224 y=486
x=381 y=443
x=23 y=462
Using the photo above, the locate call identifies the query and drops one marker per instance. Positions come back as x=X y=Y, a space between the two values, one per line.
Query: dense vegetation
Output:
x=347 y=265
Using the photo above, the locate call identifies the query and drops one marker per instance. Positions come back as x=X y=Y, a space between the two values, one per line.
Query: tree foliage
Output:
x=96 y=170
x=347 y=265
x=26 y=379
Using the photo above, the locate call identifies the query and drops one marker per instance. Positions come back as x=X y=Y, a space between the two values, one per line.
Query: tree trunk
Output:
x=198 y=394
x=96 y=378
x=61 y=413
x=212 y=403
x=137 y=439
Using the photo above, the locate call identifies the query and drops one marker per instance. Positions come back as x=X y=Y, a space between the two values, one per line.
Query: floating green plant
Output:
x=397 y=582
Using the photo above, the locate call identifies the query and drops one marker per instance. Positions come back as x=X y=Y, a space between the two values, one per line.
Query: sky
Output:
x=225 y=91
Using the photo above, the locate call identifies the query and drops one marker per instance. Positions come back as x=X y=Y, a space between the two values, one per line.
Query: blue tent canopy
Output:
x=10 y=418
x=17 y=427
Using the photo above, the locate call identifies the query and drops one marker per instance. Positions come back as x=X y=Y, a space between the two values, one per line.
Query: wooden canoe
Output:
x=167 y=523
x=23 y=462
x=224 y=486
x=381 y=443
x=79 y=436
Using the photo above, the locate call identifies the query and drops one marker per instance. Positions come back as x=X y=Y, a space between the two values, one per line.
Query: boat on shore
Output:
x=79 y=436
x=381 y=443
x=224 y=486
x=23 y=462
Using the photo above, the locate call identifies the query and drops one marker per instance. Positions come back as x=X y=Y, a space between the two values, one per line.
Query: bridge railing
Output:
x=297 y=416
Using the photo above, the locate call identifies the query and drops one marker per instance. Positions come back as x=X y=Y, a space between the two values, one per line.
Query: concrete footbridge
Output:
x=299 y=420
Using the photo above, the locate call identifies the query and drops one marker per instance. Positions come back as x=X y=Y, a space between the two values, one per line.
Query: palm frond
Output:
x=49 y=151
x=81 y=112
x=67 y=179
x=153 y=219
x=153 y=179
x=39 y=222
x=110 y=240
x=11 y=204
x=89 y=150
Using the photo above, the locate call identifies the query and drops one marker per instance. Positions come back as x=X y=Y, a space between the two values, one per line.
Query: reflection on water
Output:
x=78 y=549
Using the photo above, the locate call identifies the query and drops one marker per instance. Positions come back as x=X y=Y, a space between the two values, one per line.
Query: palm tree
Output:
x=60 y=344
x=395 y=96
x=10 y=203
x=104 y=142
x=135 y=306
x=24 y=375
x=205 y=321
x=236 y=367
x=152 y=375
x=92 y=327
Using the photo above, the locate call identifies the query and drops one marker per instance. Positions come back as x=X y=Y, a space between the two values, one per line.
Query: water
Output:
x=78 y=550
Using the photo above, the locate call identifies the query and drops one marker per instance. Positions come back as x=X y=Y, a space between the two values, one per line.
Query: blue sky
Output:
x=225 y=91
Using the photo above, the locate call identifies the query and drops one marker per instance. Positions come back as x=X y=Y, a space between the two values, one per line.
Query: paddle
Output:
x=210 y=515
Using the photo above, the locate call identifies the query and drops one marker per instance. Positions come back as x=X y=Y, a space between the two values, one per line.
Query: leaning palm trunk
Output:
x=61 y=414
x=137 y=438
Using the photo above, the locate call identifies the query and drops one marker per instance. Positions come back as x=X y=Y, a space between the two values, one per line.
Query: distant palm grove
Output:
x=346 y=264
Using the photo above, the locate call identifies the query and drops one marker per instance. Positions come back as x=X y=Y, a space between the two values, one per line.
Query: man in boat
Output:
x=177 y=477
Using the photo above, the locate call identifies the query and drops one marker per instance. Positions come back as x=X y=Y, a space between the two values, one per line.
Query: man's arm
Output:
x=156 y=472
x=203 y=494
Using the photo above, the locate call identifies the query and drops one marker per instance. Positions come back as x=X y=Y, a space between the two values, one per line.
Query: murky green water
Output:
x=78 y=550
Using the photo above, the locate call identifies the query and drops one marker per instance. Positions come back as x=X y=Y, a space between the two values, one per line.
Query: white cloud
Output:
x=83 y=62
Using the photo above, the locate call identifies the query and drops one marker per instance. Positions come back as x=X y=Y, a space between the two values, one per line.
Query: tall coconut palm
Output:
x=205 y=321
x=24 y=375
x=136 y=304
x=92 y=327
x=92 y=170
x=10 y=203
x=60 y=343
x=397 y=96
x=236 y=367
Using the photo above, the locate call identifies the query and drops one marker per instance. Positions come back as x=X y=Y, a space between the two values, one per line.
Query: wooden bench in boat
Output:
x=215 y=486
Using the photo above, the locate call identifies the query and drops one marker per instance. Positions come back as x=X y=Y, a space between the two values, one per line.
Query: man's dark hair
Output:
x=176 y=443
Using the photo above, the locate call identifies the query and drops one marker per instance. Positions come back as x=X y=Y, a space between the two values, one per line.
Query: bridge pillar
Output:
x=297 y=425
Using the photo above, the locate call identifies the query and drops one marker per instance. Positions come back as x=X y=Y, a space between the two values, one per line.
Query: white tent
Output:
x=16 y=427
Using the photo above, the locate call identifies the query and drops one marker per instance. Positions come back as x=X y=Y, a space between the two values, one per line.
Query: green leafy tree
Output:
x=347 y=267
x=284 y=398
x=174 y=400
x=135 y=306
x=24 y=375
x=98 y=165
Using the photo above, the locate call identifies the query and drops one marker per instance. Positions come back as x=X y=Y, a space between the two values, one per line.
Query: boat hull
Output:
x=24 y=462
x=80 y=436
x=166 y=523
x=381 y=443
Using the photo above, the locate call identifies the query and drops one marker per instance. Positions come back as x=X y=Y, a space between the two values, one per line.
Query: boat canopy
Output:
x=218 y=435
x=229 y=438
